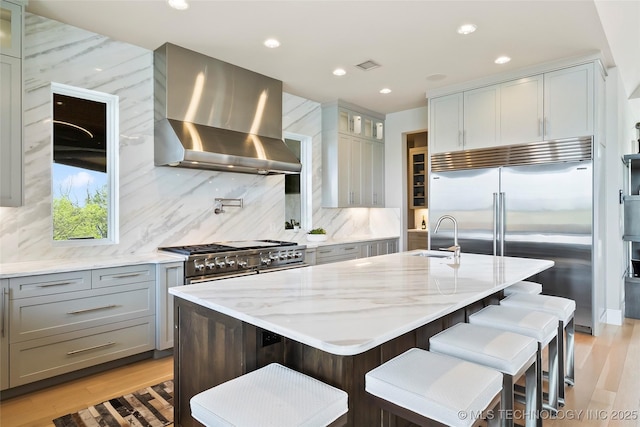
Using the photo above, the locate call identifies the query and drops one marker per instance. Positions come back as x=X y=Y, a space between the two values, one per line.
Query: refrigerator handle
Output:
x=502 y=219
x=495 y=223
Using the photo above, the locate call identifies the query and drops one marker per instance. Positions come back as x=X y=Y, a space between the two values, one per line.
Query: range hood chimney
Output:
x=210 y=114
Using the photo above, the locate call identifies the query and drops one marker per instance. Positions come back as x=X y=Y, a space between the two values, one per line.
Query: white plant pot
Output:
x=316 y=237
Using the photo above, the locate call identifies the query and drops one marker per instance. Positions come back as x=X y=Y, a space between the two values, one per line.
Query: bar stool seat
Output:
x=541 y=326
x=510 y=353
x=564 y=309
x=270 y=396
x=422 y=387
x=524 y=287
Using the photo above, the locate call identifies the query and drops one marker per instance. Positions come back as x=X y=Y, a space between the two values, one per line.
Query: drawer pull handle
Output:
x=48 y=285
x=123 y=276
x=349 y=249
x=325 y=252
x=95 y=347
x=86 y=310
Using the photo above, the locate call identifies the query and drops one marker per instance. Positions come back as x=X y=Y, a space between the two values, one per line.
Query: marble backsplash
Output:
x=159 y=206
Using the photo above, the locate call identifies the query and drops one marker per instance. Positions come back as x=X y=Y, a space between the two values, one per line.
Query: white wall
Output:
x=397 y=126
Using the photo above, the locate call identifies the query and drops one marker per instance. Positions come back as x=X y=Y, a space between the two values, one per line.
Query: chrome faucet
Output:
x=455 y=248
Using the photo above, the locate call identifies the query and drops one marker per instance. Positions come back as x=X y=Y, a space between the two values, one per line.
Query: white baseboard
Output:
x=614 y=317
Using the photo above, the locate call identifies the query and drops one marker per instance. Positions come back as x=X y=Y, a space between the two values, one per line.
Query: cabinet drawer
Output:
x=43 y=358
x=49 y=284
x=335 y=253
x=40 y=317
x=122 y=275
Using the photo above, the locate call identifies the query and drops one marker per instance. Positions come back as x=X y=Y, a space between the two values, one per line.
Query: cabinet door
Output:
x=350 y=122
x=4 y=334
x=568 y=102
x=355 y=172
x=378 y=130
x=482 y=117
x=521 y=111
x=377 y=174
x=168 y=276
x=10 y=131
x=11 y=21
x=446 y=124
x=366 y=173
x=344 y=170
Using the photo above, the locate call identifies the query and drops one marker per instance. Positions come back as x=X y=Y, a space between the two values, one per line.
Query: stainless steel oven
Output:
x=224 y=260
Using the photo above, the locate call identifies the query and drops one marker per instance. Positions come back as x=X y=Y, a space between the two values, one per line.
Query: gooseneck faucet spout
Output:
x=455 y=248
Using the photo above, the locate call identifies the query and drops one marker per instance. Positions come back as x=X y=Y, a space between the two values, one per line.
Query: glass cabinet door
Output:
x=417 y=174
x=10 y=35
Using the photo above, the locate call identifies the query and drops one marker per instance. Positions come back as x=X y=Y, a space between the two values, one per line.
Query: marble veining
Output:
x=159 y=206
x=350 y=307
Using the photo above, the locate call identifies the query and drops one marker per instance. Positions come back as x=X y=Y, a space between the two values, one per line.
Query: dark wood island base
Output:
x=211 y=348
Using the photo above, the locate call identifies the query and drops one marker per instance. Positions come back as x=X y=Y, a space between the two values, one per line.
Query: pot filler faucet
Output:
x=455 y=248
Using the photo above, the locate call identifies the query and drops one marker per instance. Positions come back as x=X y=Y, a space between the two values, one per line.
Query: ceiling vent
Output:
x=368 y=65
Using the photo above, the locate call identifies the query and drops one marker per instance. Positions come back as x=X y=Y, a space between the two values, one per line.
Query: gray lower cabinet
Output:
x=168 y=276
x=4 y=334
x=346 y=251
x=62 y=322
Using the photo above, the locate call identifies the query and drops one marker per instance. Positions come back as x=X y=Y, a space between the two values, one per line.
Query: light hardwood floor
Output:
x=41 y=407
x=607 y=385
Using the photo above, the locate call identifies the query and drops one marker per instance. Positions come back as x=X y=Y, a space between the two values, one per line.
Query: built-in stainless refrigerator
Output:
x=542 y=210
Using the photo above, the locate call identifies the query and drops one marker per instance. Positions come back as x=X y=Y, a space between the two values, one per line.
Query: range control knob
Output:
x=297 y=255
x=220 y=263
x=242 y=263
x=230 y=261
x=209 y=265
x=197 y=265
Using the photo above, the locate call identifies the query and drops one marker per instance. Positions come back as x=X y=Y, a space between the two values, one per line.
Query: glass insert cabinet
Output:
x=417 y=175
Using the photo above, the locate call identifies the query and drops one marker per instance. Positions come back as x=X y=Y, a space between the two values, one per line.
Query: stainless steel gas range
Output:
x=223 y=260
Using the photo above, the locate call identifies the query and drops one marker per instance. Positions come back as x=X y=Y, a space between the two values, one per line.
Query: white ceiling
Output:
x=410 y=39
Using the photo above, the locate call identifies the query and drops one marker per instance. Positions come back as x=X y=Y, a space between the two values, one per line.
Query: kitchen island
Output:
x=334 y=322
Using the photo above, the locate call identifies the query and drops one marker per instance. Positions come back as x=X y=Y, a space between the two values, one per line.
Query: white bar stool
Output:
x=543 y=327
x=523 y=287
x=564 y=309
x=512 y=354
x=433 y=389
x=272 y=396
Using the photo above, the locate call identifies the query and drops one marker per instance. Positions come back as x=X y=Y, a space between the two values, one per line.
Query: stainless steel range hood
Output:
x=210 y=114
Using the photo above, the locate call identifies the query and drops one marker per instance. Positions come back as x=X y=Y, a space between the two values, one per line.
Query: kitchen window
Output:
x=297 y=187
x=84 y=170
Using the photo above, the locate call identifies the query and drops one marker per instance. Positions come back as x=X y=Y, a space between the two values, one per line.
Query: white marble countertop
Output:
x=349 y=307
x=27 y=268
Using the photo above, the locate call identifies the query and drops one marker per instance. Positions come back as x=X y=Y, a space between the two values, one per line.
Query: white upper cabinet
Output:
x=11 y=174
x=352 y=157
x=481 y=117
x=554 y=105
x=521 y=110
x=568 y=102
x=446 y=123
x=11 y=29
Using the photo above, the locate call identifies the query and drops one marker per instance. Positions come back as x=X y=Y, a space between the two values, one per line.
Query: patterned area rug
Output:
x=149 y=407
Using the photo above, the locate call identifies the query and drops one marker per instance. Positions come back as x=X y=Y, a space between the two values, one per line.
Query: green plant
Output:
x=318 y=231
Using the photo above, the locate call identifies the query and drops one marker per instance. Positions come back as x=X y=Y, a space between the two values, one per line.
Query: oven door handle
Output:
x=212 y=279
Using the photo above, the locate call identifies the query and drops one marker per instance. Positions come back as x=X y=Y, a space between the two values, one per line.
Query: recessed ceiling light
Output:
x=178 y=4
x=271 y=43
x=466 y=29
x=385 y=91
x=339 y=72
x=502 y=60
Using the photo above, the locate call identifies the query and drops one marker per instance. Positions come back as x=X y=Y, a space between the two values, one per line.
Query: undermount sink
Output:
x=434 y=254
